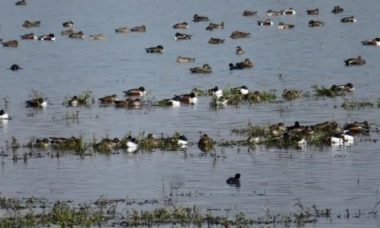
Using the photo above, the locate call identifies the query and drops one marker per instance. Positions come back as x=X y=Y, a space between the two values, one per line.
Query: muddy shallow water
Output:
x=274 y=179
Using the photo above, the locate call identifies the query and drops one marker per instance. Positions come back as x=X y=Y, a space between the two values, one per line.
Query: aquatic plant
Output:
x=354 y=104
x=85 y=99
x=199 y=92
x=291 y=94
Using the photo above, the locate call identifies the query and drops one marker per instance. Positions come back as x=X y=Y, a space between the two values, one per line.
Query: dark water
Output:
x=337 y=178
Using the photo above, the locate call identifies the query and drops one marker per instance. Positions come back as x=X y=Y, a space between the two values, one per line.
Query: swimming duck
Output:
x=249 y=13
x=213 y=26
x=132 y=145
x=74 y=101
x=241 y=65
x=136 y=92
x=239 y=51
x=108 y=99
x=129 y=103
x=349 y=87
x=266 y=22
x=354 y=61
x=122 y=30
x=274 y=13
x=350 y=19
x=205 y=69
x=237 y=66
x=3 y=115
x=29 y=36
x=197 y=18
x=110 y=144
x=337 y=9
x=181 y=25
x=243 y=90
x=99 y=36
x=372 y=42
x=141 y=28
x=289 y=11
x=9 y=43
x=188 y=98
x=282 y=25
x=205 y=143
x=30 y=24
x=341 y=139
x=68 y=24
x=184 y=59
x=313 y=23
x=35 y=103
x=157 y=49
x=182 y=36
x=21 y=3
x=174 y=102
x=234 y=180
x=49 y=37
x=77 y=35
x=357 y=127
x=213 y=40
x=216 y=92
x=182 y=142
x=313 y=11
x=15 y=67
x=239 y=34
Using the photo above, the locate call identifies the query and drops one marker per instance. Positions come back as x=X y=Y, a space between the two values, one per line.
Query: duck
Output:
x=9 y=43
x=249 y=13
x=67 y=32
x=21 y=3
x=110 y=144
x=216 y=92
x=49 y=37
x=205 y=143
x=213 y=40
x=205 y=69
x=343 y=138
x=273 y=13
x=357 y=127
x=132 y=145
x=355 y=61
x=28 y=36
x=337 y=9
x=372 y=42
x=243 y=90
x=187 y=98
x=122 y=30
x=157 y=49
x=239 y=51
x=182 y=142
x=74 y=101
x=349 y=87
x=135 y=92
x=185 y=59
x=234 y=180
x=181 y=25
x=312 y=11
x=129 y=103
x=15 y=67
x=30 y=24
x=36 y=103
x=141 y=28
x=289 y=11
x=350 y=19
x=174 y=102
x=77 y=35
x=237 y=66
x=313 y=23
x=241 y=65
x=98 y=36
x=266 y=22
x=197 y=18
x=68 y=24
x=108 y=99
x=282 y=25
x=213 y=26
x=3 y=115
x=182 y=36
x=239 y=34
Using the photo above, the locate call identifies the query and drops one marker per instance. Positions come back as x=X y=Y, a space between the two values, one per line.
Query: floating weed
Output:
x=260 y=97
x=84 y=99
x=333 y=91
x=151 y=142
x=354 y=104
x=291 y=94
x=199 y=92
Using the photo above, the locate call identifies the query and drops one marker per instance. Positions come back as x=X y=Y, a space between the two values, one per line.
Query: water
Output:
x=336 y=178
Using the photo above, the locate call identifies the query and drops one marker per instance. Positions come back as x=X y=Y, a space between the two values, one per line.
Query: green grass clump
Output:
x=354 y=105
x=291 y=94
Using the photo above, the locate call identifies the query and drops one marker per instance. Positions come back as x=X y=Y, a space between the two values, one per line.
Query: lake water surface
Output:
x=272 y=179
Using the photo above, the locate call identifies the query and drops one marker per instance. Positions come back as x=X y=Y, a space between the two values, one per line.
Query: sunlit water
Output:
x=274 y=180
